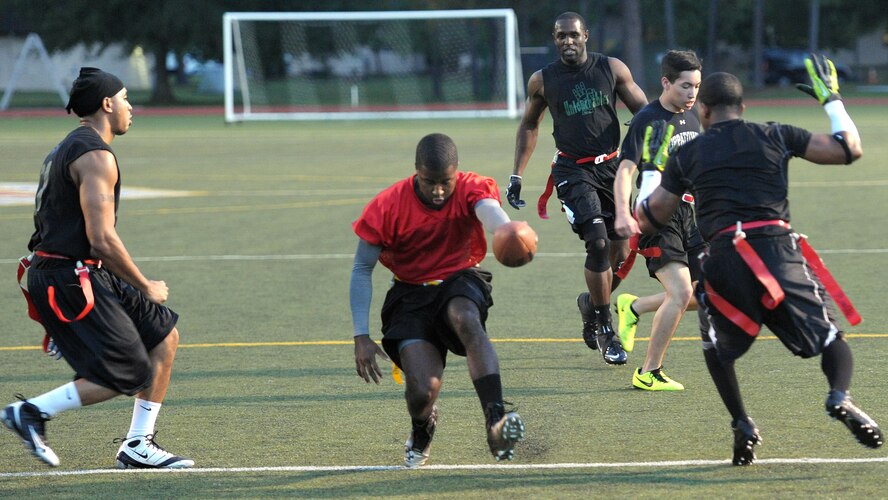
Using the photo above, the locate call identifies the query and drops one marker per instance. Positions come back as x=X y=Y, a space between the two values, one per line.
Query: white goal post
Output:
x=372 y=65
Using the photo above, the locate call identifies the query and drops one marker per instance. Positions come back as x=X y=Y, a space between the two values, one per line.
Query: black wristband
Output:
x=841 y=140
x=645 y=207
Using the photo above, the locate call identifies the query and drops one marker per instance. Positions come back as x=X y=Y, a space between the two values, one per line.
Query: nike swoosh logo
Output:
x=651 y=384
x=144 y=408
x=143 y=455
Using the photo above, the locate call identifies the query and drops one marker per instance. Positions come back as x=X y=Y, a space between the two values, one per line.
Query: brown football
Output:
x=514 y=243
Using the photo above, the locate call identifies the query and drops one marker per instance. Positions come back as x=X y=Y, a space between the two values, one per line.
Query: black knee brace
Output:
x=597 y=245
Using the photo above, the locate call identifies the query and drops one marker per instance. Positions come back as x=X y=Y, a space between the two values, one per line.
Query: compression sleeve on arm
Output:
x=491 y=214
x=839 y=118
x=361 y=286
x=650 y=179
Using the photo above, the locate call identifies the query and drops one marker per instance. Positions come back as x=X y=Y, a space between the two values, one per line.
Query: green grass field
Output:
x=264 y=395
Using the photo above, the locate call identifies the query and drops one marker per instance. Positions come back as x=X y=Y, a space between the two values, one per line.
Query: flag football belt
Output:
x=80 y=270
x=773 y=292
x=550 y=183
x=424 y=283
x=626 y=265
x=650 y=252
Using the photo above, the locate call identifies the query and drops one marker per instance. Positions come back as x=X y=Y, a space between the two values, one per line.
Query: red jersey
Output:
x=419 y=243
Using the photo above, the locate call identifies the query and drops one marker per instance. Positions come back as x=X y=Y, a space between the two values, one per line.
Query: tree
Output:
x=158 y=26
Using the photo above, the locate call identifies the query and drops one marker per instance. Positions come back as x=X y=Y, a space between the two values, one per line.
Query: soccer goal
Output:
x=371 y=65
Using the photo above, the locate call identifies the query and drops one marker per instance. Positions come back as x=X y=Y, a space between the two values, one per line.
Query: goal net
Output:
x=370 y=65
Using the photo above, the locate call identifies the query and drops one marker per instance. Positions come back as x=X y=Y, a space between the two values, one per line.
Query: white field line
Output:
x=339 y=256
x=504 y=467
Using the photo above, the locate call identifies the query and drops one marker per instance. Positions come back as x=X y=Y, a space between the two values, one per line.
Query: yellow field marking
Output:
x=510 y=341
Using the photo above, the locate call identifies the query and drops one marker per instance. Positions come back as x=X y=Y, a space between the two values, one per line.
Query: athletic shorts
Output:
x=804 y=321
x=679 y=241
x=420 y=312
x=587 y=192
x=109 y=346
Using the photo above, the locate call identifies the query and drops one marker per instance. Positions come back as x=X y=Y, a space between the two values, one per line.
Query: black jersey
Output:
x=687 y=127
x=58 y=218
x=737 y=171
x=582 y=101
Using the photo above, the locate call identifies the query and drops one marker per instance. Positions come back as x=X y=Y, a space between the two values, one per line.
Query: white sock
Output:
x=144 y=418
x=58 y=400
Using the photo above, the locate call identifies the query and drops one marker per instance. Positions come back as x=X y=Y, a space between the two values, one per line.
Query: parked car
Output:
x=787 y=66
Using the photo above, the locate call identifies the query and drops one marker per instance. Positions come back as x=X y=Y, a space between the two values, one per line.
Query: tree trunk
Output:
x=632 y=48
x=162 y=93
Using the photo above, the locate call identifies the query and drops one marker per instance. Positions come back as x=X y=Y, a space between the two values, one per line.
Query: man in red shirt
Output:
x=428 y=229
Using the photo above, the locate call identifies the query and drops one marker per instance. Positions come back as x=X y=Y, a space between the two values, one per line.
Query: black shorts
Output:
x=679 y=241
x=109 y=346
x=587 y=192
x=419 y=312
x=804 y=321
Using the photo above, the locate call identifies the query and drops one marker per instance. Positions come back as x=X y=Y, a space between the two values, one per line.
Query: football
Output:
x=514 y=243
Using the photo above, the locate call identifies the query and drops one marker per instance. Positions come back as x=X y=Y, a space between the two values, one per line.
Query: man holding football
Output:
x=428 y=229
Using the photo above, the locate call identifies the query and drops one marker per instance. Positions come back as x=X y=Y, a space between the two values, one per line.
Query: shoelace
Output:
x=149 y=442
x=42 y=416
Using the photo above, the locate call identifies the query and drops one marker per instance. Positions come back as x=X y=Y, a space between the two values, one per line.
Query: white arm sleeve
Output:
x=839 y=118
x=491 y=214
x=361 y=286
x=650 y=179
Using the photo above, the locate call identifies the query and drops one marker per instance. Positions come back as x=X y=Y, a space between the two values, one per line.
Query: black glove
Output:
x=513 y=192
x=824 y=79
x=52 y=350
x=655 y=150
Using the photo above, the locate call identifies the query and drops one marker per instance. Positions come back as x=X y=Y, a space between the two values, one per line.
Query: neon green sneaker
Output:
x=628 y=320
x=654 y=380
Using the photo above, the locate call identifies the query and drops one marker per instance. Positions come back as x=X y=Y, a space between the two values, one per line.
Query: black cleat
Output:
x=504 y=431
x=840 y=407
x=610 y=346
x=416 y=449
x=29 y=423
x=746 y=437
x=590 y=325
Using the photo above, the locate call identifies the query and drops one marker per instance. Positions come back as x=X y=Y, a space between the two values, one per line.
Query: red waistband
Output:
x=740 y=226
x=591 y=159
x=47 y=255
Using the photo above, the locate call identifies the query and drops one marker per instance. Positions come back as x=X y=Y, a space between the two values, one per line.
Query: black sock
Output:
x=489 y=389
x=838 y=365
x=602 y=314
x=725 y=379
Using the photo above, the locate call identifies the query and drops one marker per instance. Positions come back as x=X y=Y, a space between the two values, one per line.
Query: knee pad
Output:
x=597 y=246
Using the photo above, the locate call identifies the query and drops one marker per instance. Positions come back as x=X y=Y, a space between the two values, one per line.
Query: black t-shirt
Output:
x=737 y=171
x=58 y=218
x=687 y=127
x=582 y=100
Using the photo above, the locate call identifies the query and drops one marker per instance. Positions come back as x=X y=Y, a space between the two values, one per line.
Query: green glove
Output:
x=655 y=151
x=824 y=79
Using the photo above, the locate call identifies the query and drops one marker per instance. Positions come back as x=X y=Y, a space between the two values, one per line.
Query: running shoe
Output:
x=590 y=325
x=628 y=320
x=746 y=437
x=610 y=346
x=26 y=420
x=142 y=452
x=416 y=449
x=504 y=431
x=654 y=380
x=840 y=407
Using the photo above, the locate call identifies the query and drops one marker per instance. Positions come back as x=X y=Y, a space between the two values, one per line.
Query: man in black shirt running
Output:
x=758 y=271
